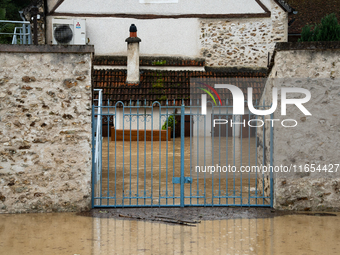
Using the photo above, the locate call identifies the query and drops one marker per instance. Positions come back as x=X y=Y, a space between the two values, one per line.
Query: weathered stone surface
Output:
x=242 y=42
x=69 y=83
x=315 y=140
x=36 y=108
x=28 y=79
x=81 y=78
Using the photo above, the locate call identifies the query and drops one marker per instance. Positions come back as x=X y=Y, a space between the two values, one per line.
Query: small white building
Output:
x=224 y=32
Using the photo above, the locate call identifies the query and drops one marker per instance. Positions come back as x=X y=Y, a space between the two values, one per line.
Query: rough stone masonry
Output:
x=242 y=42
x=45 y=128
x=313 y=66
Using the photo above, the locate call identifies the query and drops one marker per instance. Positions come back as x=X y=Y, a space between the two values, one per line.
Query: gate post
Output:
x=182 y=153
x=271 y=163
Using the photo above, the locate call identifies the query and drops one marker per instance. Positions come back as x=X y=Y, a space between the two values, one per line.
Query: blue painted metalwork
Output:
x=271 y=163
x=177 y=180
x=22 y=32
x=136 y=139
x=182 y=153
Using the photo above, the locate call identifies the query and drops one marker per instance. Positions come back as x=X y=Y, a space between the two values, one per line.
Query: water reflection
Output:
x=70 y=234
x=147 y=169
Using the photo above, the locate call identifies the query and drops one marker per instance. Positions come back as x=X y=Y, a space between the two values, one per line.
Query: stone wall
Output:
x=315 y=140
x=45 y=128
x=242 y=42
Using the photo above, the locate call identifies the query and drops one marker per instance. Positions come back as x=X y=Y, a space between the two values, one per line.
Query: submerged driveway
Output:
x=141 y=169
x=67 y=233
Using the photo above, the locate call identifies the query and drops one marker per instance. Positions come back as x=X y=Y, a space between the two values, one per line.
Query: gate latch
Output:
x=177 y=180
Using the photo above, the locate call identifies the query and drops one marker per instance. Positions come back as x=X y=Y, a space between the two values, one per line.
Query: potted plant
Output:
x=170 y=122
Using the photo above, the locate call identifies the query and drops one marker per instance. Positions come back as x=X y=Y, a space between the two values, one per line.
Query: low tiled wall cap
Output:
x=45 y=48
x=307 y=46
x=149 y=61
x=249 y=71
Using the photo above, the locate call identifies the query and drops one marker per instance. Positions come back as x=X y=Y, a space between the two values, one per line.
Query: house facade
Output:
x=224 y=32
x=220 y=34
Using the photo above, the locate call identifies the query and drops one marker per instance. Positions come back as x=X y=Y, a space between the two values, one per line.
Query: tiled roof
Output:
x=149 y=61
x=284 y=5
x=311 y=12
x=168 y=85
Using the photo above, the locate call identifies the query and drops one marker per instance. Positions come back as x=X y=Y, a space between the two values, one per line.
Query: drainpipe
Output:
x=35 y=11
x=133 y=56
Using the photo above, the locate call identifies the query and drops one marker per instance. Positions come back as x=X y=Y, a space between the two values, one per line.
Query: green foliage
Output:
x=4 y=3
x=159 y=62
x=169 y=123
x=5 y=28
x=13 y=7
x=158 y=84
x=327 y=30
x=162 y=98
x=9 y=10
x=306 y=34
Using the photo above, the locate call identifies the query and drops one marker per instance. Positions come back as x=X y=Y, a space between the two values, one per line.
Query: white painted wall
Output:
x=163 y=37
x=182 y=7
x=157 y=124
x=154 y=122
x=208 y=120
x=160 y=37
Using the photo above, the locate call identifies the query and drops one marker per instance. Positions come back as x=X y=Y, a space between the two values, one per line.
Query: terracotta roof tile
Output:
x=166 y=85
x=311 y=12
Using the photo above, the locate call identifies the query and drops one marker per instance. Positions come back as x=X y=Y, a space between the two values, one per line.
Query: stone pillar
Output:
x=133 y=56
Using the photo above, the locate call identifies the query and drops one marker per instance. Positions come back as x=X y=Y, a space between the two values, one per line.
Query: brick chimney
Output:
x=133 y=56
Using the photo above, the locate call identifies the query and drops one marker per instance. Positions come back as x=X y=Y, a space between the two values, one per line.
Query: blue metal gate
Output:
x=152 y=157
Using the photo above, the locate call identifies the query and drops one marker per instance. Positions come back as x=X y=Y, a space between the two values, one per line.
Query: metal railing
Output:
x=21 y=35
x=97 y=142
x=142 y=164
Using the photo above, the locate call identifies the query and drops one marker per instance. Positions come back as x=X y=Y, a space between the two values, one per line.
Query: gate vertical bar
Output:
x=271 y=162
x=191 y=131
x=241 y=160
x=93 y=153
x=138 y=150
x=151 y=162
x=115 y=130
x=173 y=152
x=160 y=156
x=145 y=117
x=256 y=163
x=264 y=154
x=197 y=157
x=182 y=153
x=227 y=153
x=167 y=150
x=123 y=190
x=212 y=156
x=108 y=147
x=130 y=118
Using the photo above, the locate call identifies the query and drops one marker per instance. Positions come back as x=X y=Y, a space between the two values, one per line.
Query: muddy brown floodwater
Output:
x=68 y=233
x=146 y=169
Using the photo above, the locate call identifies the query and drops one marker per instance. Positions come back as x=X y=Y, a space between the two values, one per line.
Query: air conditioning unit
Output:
x=69 y=31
